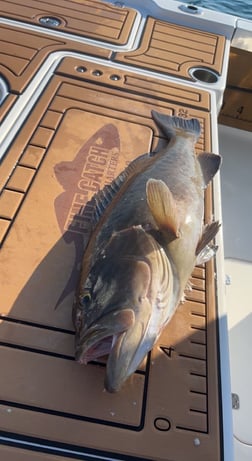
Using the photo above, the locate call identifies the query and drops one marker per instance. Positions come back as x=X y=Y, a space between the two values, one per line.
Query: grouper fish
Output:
x=146 y=236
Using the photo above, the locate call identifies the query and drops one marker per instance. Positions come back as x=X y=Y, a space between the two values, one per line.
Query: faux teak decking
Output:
x=90 y=120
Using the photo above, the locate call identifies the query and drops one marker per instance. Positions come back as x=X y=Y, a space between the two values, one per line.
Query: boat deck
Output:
x=77 y=111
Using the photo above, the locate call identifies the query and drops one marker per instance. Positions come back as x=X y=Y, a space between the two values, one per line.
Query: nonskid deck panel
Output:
x=171 y=48
x=90 y=19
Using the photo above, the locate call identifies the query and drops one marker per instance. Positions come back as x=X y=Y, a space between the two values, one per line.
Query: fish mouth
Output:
x=97 y=345
x=99 y=339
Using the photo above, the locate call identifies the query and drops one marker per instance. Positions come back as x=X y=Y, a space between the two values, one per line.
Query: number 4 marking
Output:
x=168 y=350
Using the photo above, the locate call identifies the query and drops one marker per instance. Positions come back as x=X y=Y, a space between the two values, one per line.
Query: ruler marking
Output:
x=187 y=356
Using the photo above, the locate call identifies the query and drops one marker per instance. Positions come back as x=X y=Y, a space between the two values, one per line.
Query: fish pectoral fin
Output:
x=203 y=252
x=162 y=206
x=210 y=164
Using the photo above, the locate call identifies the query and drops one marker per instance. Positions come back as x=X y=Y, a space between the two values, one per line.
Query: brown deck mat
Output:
x=174 y=49
x=169 y=409
x=89 y=18
x=164 y=47
x=23 y=52
x=26 y=50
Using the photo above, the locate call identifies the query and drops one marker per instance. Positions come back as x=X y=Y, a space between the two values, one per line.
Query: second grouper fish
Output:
x=146 y=236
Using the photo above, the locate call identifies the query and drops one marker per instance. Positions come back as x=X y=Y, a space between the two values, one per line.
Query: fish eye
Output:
x=86 y=298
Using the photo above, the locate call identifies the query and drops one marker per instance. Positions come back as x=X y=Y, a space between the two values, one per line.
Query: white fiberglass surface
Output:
x=236 y=187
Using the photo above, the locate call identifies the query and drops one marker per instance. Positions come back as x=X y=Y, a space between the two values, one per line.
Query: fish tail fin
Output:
x=172 y=126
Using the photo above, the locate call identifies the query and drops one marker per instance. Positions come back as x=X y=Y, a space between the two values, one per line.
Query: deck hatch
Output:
x=174 y=49
x=92 y=19
x=26 y=50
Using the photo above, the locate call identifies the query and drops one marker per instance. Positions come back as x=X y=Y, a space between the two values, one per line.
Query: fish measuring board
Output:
x=38 y=341
x=236 y=108
x=83 y=130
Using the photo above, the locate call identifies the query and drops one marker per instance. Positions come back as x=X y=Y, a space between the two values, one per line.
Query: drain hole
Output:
x=115 y=77
x=81 y=69
x=192 y=9
x=97 y=73
x=50 y=21
x=204 y=75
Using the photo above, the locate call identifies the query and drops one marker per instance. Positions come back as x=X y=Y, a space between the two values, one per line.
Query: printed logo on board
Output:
x=94 y=165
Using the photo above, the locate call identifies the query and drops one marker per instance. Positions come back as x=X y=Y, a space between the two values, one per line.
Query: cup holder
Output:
x=3 y=90
x=204 y=75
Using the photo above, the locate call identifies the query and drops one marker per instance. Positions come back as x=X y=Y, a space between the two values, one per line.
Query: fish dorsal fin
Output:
x=209 y=232
x=210 y=164
x=103 y=198
x=162 y=206
x=101 y=203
